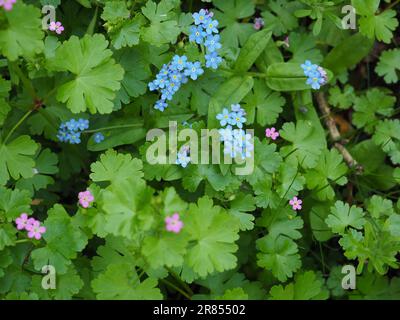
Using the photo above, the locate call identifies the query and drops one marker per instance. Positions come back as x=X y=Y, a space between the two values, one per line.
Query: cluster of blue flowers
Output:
x=316 y=75
x=205 y=33
x=172 y=76
x=183 y=158
x=179 y=69
x=71 y=130
x=236 y=141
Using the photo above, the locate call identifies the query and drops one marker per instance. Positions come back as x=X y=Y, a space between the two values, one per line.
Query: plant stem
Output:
x=26 y=115
x=335 y=134
x=187 y=288
x=390 y=6
x=22 y=241
x=176 y=288
x=114 y=127
x=252 y=74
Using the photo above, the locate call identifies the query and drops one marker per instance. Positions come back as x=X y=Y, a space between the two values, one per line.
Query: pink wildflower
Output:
x=56 y=26
x=271 y=133
x=296 y=203
x=23 y=221
x=7 y=4
x=35 y=230
x=173 y=224
x=85 y=198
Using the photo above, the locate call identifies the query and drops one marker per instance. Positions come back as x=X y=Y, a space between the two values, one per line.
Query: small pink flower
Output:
x=7 y=4
x=296 y=203
x=56 y=26
x=271 y=133
x=23 y=221
x=85 y=198
x=173 y=224
x=258 y=23
x=35 y=230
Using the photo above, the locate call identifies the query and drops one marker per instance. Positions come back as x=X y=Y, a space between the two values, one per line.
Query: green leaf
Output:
x=54 y=3
x=16 y=160
x=267 y=103
x=305 y=147
x=343 y=56
x=167 y=250
x=266 y=161
x=280 y=221
x=375 y=25
x=13 y=203
x=343 y=216
x=303 y=47
x=372 y=286
x=45 y=165
x=230 y=92
x=318 y=213
x=342 y=100
x=195 y=174
x=23 y=35
x=239 y=208
x=96 y=76
x=126 y=36
x=118 y=137
x=233 y=294
x=288 y=77
x=163 y=27
x=378 y=206
x=330 y=170
x=290 y=181
x=228 y=14
x=387 y=136
x=127 y=207
x=113 y=11
x=377 y=173
x=279 y=255
x=121 y=282
x=306 y=286
x=252 y=49
x=389 y=65
x=5 y=87
x=213 y=233
x=63 y=239
x=280 y=16
x=137 y=72
x=368 y=107
x=116 y=167
x=7 y=236
x=67 y=286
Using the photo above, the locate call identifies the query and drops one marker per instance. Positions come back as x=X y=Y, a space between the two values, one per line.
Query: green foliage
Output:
x=388 y=66
x=375 y=25
x=243 y=236
x=22 y=35
x=307 y=286
x=96 y=76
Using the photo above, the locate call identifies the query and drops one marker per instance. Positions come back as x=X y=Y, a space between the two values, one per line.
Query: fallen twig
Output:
x=335 y=134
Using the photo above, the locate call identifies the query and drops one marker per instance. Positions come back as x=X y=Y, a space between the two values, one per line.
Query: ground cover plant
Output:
x=306 y=92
